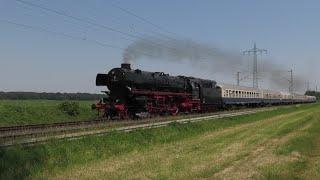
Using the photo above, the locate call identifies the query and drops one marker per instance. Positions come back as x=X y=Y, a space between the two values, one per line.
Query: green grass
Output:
x=307 y=146
x=17 y=112
x=59 y=157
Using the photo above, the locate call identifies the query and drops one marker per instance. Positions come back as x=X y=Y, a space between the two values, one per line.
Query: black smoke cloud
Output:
x=201 y=55
x=207 y=57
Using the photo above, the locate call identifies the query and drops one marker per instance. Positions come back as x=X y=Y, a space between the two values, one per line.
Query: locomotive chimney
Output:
x=126 y=66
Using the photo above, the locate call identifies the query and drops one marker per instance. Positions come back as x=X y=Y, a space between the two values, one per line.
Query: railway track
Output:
x=40 y=133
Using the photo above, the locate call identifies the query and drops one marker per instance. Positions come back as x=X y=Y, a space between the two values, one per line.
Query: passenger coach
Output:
x=246 y=96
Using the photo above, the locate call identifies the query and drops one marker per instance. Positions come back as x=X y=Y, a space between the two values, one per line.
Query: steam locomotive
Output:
x=136 y=93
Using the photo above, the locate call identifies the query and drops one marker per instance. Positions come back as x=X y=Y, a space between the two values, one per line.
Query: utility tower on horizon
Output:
x=291 y=85
x=255 y=52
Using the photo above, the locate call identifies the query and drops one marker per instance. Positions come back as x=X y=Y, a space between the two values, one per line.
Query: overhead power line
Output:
x=41 y=29
x=210 y=51
x=92 y=23
x=143 y=19
x=76 y=18
x=61 y=13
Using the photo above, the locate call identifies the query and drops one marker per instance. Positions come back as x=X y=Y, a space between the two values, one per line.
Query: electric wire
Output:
x=41 y=29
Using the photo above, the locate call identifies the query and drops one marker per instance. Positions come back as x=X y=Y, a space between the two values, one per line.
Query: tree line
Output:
x=314 y=93
x=48 y=96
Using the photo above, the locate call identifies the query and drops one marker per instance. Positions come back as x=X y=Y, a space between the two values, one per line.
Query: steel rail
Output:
x=14 y=139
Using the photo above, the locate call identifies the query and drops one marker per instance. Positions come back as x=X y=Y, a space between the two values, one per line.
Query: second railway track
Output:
x=31 y=134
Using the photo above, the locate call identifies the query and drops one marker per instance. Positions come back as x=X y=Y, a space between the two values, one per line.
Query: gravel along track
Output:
x=40 y=133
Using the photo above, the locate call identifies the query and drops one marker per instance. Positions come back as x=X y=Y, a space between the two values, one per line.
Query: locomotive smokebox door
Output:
x=102 y=79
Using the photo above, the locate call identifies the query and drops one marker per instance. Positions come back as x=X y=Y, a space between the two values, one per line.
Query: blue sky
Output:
x=31 y=60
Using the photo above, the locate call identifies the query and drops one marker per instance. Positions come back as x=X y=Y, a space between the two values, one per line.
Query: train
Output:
x=133 y=93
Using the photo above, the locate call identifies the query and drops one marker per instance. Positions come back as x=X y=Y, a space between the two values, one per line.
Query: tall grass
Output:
x=15 y=112
x=21 y=162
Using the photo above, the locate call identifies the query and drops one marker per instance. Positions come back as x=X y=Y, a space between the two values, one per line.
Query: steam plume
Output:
x=211 y=58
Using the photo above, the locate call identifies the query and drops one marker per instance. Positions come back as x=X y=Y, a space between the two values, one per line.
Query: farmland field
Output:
x=279 y=144
x=17 y=112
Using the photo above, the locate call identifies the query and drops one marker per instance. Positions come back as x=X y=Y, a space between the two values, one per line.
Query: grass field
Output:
x=279 y=144
x=16 y=112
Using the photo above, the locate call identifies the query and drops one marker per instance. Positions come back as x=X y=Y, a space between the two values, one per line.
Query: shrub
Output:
x=70 y=108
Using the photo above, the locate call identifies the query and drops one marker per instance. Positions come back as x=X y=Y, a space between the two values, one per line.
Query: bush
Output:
x=70 y=108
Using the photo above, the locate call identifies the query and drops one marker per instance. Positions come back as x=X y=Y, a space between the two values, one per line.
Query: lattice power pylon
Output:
x=255 y=52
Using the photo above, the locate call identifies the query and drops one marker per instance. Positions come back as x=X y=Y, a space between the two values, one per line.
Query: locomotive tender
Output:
x=136 y=93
